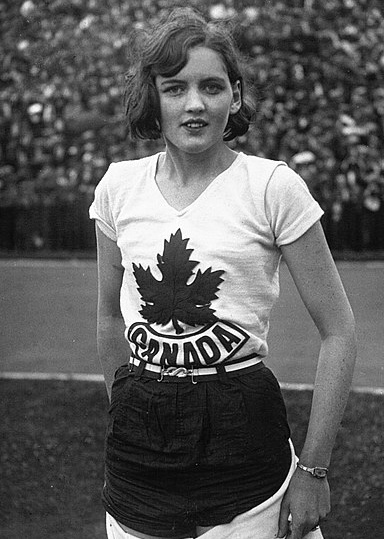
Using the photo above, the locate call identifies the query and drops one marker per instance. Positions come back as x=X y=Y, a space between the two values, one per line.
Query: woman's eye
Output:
x=174 y=90
x=212 y=88
x=209 y=88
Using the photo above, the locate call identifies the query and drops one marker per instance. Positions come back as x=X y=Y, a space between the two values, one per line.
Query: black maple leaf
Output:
x=172 y=298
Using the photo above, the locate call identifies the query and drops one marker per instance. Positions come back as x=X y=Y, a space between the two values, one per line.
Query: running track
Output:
x=48 y=315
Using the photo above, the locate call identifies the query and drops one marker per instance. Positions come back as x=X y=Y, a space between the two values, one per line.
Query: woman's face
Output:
x=195 y=104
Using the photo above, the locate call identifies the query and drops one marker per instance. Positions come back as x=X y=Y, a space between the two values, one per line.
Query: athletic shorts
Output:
x=181 y=455
x=260 y=521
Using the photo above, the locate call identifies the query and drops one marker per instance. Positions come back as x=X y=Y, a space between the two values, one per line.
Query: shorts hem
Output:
x=151 y=531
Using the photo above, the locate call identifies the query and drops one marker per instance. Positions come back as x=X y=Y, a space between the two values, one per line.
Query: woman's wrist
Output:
x=315 y=456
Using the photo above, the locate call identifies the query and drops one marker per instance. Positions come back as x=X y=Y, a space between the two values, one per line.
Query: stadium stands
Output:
x=317 y=72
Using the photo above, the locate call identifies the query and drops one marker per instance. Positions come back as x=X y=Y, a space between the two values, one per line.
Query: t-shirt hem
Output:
x=105 y=228
x=301 y=229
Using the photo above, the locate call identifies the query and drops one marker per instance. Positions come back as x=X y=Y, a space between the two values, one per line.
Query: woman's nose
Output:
x=194 y=100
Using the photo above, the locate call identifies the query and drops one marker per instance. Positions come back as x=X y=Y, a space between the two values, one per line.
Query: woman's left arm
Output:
x=314 y=272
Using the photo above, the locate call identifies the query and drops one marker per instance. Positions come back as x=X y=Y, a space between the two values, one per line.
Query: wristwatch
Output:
x=317 y=471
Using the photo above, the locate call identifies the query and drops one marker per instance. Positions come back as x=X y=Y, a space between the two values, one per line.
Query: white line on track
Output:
x=46 y=263
x=356 y=389
x=65 y=376
x=83 y=377
x=81 y=262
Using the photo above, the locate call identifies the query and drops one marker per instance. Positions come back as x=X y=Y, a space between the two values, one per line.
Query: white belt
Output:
x=182 y=372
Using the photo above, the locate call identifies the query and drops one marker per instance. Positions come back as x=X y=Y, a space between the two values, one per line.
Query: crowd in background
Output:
x=316 y=69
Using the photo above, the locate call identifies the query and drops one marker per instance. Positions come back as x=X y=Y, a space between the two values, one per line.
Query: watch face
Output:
x=320 y=472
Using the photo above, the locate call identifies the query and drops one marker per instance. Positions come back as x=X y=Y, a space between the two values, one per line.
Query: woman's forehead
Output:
x=202 y=62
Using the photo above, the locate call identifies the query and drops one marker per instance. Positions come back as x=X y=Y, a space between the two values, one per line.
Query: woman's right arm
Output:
x=112 y=347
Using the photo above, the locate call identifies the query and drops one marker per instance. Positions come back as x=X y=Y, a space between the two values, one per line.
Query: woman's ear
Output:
x=236 y=98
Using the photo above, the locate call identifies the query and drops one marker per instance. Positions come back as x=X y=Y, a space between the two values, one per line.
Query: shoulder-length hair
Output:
x=165 y=52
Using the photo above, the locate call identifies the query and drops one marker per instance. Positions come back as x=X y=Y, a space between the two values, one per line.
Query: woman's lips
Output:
x=195 y=124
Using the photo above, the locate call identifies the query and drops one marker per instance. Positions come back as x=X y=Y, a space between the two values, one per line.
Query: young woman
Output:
x=189 y=245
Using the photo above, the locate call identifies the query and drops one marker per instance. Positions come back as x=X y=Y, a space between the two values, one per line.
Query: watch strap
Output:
x=318 y=471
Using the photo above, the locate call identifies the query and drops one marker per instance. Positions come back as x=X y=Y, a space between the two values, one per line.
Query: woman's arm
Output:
x=112 y=347
x=317 y=280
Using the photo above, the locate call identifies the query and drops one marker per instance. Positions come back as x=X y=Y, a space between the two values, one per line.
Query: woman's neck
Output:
x=184 y=169
x=181 y=179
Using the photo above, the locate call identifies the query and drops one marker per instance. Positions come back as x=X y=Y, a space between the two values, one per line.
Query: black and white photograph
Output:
x=191 y=269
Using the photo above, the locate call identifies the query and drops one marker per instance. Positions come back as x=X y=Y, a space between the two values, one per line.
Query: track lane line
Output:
x=84 y=377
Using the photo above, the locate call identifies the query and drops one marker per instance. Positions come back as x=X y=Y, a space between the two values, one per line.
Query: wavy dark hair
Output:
x=164 y=51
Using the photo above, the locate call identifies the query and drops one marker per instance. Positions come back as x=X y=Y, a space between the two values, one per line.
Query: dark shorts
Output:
x=179 y=455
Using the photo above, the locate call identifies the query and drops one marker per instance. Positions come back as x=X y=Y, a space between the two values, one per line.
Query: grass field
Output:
x=51 y=439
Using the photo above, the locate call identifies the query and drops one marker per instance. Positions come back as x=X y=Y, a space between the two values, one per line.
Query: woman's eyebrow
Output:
x=214 y=78
x=210 y=78
x=171 y=81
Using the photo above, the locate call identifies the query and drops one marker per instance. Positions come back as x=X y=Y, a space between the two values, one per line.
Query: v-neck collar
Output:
x=212 y=185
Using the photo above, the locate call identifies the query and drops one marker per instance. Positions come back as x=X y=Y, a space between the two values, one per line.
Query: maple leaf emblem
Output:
x=172 y=298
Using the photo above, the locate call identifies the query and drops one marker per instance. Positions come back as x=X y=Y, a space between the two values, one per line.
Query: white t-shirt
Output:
x=199 y=283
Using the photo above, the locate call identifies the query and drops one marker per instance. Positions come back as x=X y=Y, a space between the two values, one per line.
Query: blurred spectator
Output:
x=316 y=68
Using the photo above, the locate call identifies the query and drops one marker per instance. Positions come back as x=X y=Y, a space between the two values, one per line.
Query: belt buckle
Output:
x=177 y=372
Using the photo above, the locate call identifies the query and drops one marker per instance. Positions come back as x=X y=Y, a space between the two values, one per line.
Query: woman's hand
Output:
x=305 y=504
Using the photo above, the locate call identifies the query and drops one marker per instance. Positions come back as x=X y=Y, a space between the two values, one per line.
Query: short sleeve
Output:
x=101 y=207
x=290 y=208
